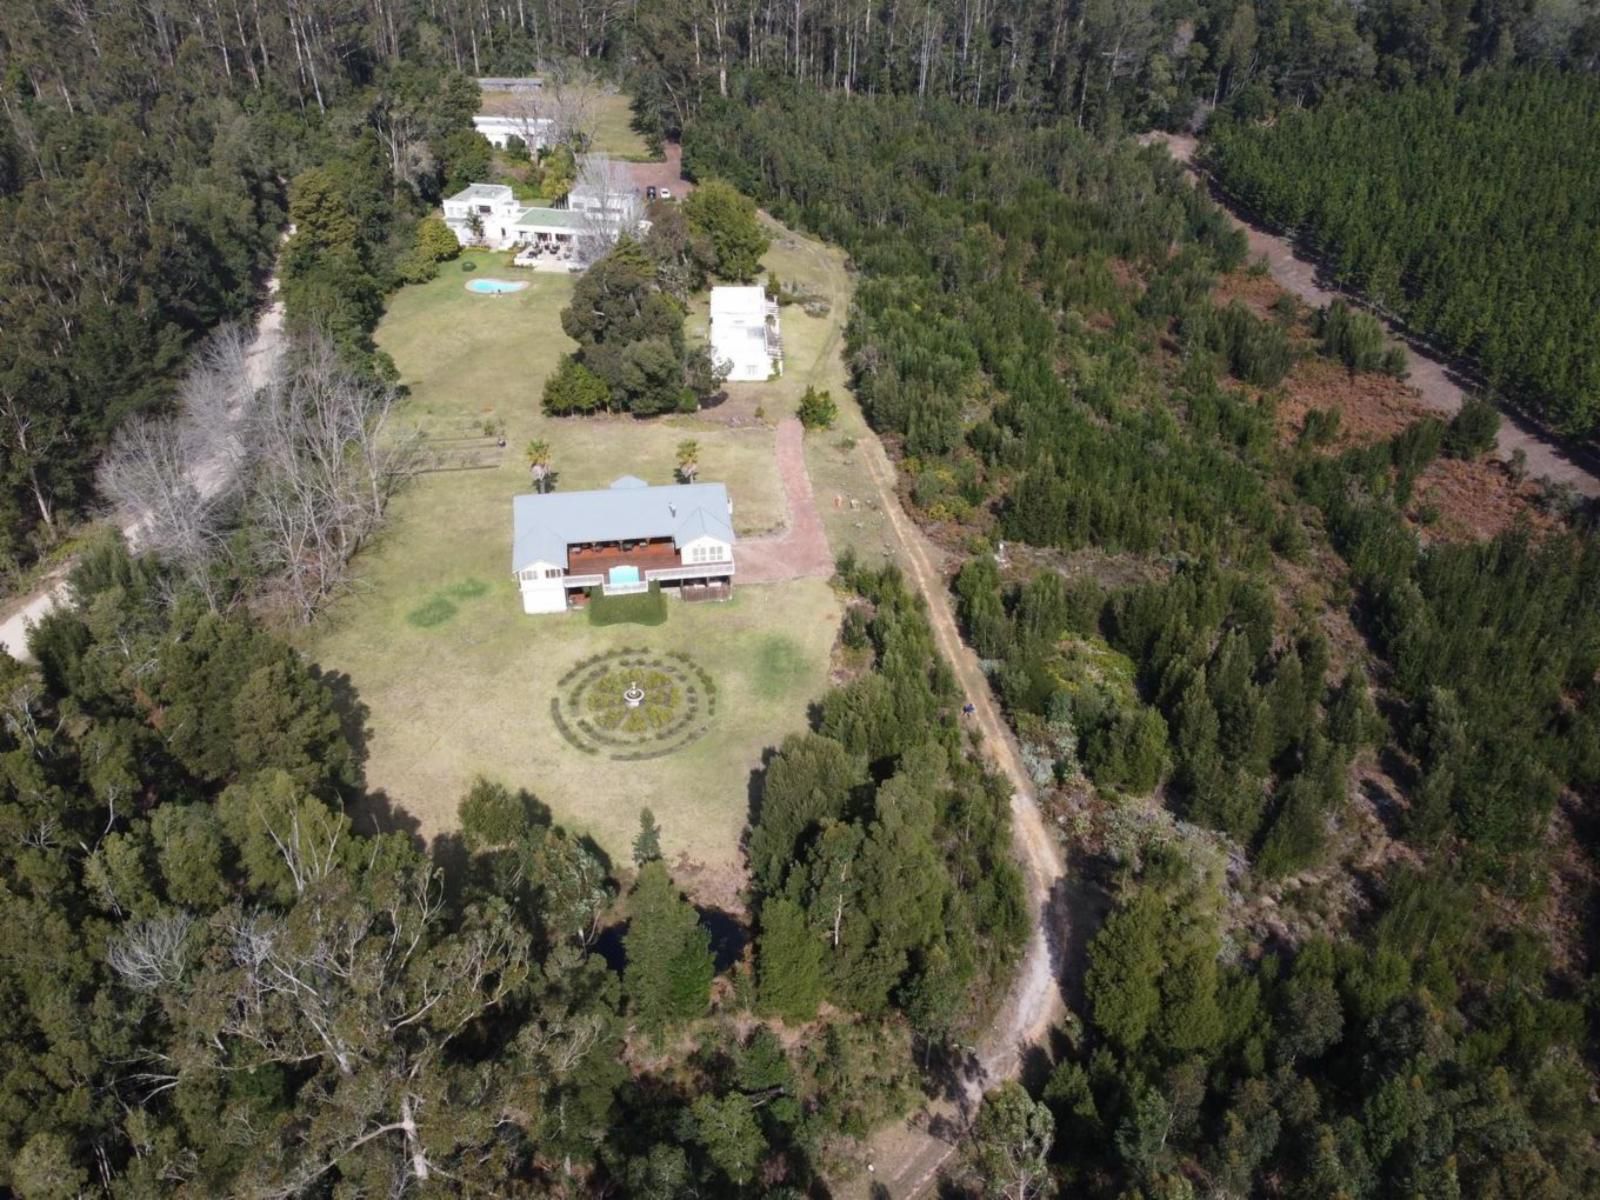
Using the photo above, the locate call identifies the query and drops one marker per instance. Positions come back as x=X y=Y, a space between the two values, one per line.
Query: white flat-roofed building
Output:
x=744 y=334
x=535 y=132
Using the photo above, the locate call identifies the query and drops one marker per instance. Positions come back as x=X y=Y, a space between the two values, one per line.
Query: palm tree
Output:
x=688 y=460
x=538 y=453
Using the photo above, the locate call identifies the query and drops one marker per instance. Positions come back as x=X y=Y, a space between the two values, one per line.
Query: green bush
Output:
x=1473 y=430
x=641 y=608
x=817 y=409
x=468 y=265
x=574 y=389
x=1356 y=339
x=435 y=242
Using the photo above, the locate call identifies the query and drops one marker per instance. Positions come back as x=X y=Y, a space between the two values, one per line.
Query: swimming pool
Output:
x=495 y=287
x=623 y=575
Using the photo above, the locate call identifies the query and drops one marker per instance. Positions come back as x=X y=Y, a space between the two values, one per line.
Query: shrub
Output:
x=1356 y=339
x=435 y=242
x=640 y=608
x=468 y=265
x=574 y=389
x=1473 y=430
x=1256 y=351
x=416 y=268
x=817 y=409
x=1321 y=427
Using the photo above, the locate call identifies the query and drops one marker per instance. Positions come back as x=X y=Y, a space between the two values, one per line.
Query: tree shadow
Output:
x=610 y=945
x=588 y=843
x=729 y=937
x=373 y=812
x=453 y=861
x=755 y=789
x=1386 y=805
x=353 y=713
x=1074 y=912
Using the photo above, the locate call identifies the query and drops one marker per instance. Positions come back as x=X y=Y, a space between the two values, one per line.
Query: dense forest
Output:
x=219 y=982
x=1467 y=209
x=1035 y=332
x=151 y=155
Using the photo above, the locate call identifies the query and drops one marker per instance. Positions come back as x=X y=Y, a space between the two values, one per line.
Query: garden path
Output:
x=801 y=550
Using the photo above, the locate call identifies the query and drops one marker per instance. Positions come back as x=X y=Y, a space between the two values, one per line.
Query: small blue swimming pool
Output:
x=623 y=575
x=495 y=287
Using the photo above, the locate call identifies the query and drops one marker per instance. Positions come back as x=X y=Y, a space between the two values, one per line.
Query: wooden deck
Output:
x=646 y=558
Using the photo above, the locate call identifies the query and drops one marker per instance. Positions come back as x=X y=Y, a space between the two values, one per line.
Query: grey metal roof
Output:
x=629 y=510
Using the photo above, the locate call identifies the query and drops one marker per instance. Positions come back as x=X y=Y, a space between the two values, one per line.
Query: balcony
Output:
x=708 y=570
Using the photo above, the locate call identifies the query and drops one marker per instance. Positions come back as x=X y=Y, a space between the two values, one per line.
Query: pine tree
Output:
x=789 y=958
x=669 y=970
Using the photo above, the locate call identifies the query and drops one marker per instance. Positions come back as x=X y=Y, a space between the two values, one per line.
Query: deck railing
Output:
x=710 y=570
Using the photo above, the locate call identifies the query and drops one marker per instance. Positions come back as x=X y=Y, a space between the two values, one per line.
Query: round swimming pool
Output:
x=495 y=287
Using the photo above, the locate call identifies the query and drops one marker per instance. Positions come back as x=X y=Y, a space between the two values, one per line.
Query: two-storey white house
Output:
x=489 y=214
x=621 y=539
x=744 y=333
x=484 y=213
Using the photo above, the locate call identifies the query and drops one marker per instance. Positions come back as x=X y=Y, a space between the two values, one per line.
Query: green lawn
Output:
x=613 y=129
x=610 y=116
x=458 y=681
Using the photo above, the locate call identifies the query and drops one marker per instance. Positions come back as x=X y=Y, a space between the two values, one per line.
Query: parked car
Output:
x=650 y=192
x=666 y=193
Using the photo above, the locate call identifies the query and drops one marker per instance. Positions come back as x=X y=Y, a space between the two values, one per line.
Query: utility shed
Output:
x=744 y=334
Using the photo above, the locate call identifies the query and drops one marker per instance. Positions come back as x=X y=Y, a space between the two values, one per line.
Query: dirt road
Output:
x=906 y=1158
x=260 y=359
x=1432 y=380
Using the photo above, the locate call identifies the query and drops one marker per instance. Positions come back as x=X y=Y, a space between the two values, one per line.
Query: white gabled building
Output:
x=744 y=334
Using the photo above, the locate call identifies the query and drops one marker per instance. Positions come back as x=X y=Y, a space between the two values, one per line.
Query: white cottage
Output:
x=621 y=539
x=744 y=333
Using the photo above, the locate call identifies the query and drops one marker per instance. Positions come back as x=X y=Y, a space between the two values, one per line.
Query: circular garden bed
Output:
x=633 y=704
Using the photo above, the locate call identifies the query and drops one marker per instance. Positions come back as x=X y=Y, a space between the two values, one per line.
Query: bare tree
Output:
x=607 y=204
x=530 y=114
x=176 y=481
x=149 y=954
x=570 y=98
x=328 y=459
